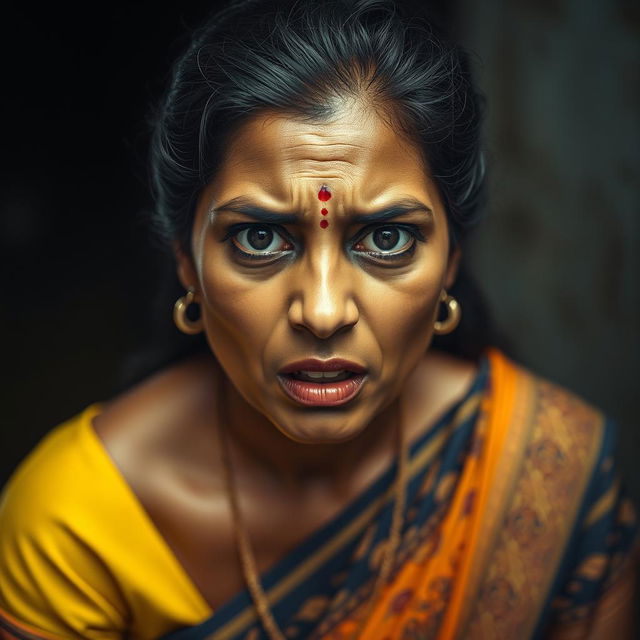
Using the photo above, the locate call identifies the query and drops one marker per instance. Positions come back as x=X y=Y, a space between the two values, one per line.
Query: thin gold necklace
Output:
x=247 y=559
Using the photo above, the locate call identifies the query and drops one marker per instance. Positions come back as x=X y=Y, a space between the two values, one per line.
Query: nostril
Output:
x=323 y=310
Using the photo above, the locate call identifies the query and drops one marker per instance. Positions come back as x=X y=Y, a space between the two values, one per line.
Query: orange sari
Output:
x=486 y=572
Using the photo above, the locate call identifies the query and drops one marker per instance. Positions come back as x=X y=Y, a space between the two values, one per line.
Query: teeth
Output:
x=322 y=374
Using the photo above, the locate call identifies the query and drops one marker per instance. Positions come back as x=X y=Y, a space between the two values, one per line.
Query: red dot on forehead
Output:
x=324 y=194
x=324 y=212
x=324 y=223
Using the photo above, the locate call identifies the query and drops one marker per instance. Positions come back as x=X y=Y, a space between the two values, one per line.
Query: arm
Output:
x=54 y=588
x=53 y=582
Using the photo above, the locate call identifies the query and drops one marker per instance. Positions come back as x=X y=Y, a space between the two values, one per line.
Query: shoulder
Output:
x=46 y=550
x=75 y=542
x=163 y=425
x=154 y=411
x=557 y=449
x=568 y=444
x=438 y=382
x=561 y=512
x=550 y=410
x=55 y=468
x=572 y=451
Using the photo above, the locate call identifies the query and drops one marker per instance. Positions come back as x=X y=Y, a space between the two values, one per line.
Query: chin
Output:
x=320 y=429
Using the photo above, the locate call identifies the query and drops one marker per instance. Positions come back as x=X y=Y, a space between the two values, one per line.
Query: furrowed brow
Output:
x=248 y=208
x=394 y=210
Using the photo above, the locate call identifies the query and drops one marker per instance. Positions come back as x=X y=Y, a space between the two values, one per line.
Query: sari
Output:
x=514 y=520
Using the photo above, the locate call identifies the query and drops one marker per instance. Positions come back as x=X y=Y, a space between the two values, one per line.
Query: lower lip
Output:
x=322 y=394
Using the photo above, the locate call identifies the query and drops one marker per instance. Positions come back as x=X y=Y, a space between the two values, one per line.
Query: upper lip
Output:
x=313 y=364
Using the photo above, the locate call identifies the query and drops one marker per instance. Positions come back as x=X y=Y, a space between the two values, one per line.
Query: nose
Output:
x=324 y=302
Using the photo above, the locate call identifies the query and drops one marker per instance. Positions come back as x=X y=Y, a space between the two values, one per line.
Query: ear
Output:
x=186 y=269
x=452 y=267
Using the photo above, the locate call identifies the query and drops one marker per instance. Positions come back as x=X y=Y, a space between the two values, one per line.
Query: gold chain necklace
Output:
x=247 y=559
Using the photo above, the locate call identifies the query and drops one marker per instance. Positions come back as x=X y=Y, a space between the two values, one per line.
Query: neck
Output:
x=335 y=469
x=256 y=444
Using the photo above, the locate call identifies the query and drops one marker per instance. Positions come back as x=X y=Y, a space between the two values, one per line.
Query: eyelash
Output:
x=236 y=229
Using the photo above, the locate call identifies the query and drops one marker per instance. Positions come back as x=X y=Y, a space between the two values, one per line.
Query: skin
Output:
x=321 y=298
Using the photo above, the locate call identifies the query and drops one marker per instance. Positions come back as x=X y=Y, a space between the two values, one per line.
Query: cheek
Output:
x=405 y=319
x=239 y=315
x=404 y=323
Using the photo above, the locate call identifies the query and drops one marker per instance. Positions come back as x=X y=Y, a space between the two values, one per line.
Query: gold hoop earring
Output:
x=454 y=313
x=180 y=317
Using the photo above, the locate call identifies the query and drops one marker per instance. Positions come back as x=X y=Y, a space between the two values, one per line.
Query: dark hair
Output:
x=296 y=57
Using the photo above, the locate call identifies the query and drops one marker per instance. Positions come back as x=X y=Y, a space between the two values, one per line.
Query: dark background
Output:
x=557 y=257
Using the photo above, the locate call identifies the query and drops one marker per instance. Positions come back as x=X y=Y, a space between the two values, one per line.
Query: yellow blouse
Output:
x=66 y=518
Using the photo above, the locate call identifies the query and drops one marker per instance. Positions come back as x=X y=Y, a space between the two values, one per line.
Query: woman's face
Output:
x=325 y=243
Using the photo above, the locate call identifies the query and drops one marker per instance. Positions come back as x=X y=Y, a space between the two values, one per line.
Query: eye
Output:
x=260 y=241
x=388 y=241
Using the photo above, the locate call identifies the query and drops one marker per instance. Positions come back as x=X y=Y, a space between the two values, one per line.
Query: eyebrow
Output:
x=247 y=207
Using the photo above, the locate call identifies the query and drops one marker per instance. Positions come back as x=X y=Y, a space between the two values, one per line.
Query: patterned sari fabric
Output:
x=514 y=521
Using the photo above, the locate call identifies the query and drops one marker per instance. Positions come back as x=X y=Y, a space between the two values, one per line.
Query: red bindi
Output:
x=324 y=194
x=324 y=212
x=324 y=223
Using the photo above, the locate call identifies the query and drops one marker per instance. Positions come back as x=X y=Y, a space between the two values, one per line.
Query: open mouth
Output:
x=321 y=377
x=322 y=389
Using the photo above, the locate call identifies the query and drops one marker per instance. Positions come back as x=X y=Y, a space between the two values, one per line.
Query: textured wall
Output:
x=558 y=255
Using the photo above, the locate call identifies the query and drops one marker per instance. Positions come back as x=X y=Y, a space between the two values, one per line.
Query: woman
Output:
x=318 y=468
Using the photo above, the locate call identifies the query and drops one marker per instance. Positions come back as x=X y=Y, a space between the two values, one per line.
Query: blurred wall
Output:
x=559 y=255
x=77 y=264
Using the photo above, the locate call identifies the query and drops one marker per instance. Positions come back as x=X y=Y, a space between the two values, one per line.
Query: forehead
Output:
x=354 y=151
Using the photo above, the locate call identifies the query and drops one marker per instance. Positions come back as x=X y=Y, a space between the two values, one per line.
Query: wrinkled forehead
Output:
x=357 y=153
